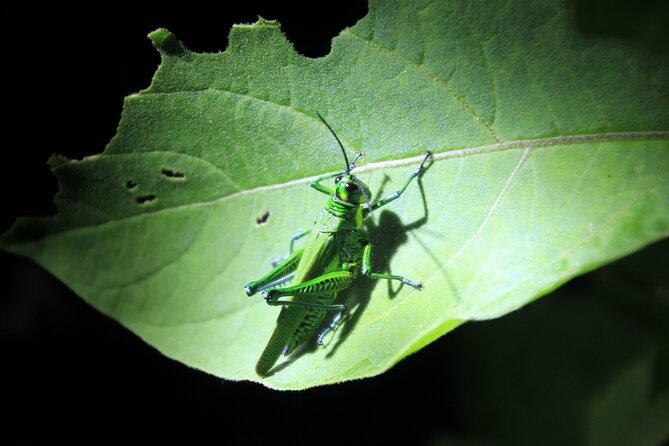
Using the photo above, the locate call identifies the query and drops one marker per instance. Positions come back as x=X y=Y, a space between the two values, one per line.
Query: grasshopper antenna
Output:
x=348 y=166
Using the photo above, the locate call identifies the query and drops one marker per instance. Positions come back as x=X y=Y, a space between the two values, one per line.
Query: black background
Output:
x=68 y=372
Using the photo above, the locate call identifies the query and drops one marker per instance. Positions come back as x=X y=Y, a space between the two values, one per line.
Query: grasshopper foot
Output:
x=411 y=283
x=250 y=289
x=422 y=163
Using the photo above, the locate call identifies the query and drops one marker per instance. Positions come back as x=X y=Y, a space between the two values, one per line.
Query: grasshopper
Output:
x=336 y=251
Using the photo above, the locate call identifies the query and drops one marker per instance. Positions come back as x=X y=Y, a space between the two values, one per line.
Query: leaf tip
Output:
x=56 y=160
x=267 y=23
x=260 y=23
x=166 y=42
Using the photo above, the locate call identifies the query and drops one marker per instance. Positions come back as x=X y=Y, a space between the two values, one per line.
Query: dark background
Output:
x=70 y=372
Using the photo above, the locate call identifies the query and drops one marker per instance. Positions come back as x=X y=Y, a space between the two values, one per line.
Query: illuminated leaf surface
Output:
x=551 y=158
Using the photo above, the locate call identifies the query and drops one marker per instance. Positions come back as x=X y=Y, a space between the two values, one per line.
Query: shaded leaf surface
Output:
x=586 y=367
x=550 y=159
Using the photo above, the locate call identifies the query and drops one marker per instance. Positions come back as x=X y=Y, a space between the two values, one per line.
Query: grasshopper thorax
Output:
x=350 y=189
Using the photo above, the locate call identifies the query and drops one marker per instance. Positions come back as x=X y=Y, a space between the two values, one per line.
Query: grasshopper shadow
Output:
x=386 y=237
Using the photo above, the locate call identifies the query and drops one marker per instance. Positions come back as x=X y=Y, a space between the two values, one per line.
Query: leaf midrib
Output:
x=460 y=317
x=531 y=143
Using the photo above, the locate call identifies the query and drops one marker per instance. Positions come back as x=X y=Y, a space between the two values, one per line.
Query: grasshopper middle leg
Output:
x=367 y=270
x=298 y=235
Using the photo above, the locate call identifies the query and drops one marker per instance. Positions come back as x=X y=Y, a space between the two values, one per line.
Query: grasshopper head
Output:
x=351 y=190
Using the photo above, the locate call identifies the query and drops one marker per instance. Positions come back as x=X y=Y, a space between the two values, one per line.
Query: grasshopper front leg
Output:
x=400 y=191
x=298 y=235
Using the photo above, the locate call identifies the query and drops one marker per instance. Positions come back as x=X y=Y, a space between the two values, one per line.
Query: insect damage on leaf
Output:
x=173 y=174
x=145 y=199
x=263 y=219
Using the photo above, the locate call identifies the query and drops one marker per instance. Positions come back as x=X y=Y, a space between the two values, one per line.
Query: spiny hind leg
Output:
x=367 y=270
x=336 y=321
x=392 y=197
x=326 y=287
x=330 y=283
x=314 y=318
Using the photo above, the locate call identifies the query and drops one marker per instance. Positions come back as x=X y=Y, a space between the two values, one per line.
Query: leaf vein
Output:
x=490 y=213
x=589 y=237
x=219 y=90
x=493 y=207
x=531 y=144
x=431 y=75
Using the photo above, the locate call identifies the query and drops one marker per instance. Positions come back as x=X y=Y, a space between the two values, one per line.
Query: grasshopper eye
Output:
x=337 y=180
x=350 y=187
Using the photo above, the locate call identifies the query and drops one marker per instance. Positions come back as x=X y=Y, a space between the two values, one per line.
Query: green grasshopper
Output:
x=336 y=251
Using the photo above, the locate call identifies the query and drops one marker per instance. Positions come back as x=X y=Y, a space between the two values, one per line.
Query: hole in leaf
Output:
x=262 y=219
x=144 y=199
x=131 y=184
x=169 y=173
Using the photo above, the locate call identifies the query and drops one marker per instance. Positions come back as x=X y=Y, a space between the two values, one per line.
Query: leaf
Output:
x=587 y=366
x=550 y=159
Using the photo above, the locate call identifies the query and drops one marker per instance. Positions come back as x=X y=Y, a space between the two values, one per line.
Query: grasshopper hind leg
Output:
x=313 y=320
x=336 y=321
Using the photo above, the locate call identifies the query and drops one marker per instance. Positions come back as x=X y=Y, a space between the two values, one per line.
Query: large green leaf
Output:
x=551 y=158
